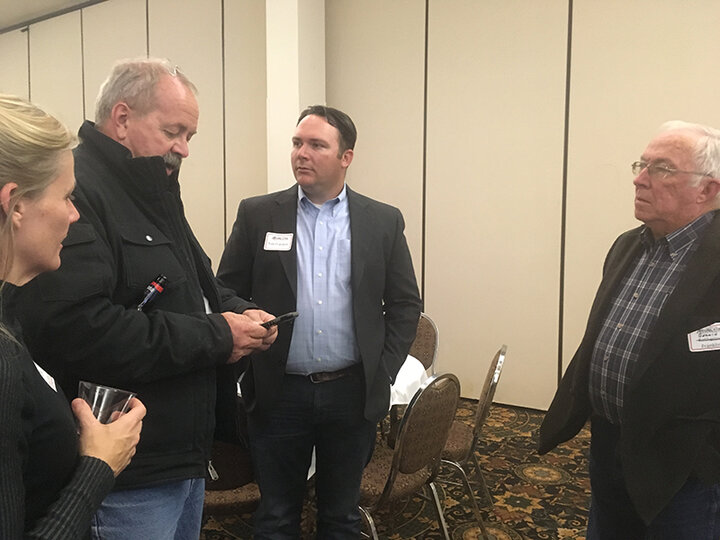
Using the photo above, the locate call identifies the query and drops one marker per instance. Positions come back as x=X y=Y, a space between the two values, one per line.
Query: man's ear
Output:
x=347 y=158
x=119 y=120
x=710 y=190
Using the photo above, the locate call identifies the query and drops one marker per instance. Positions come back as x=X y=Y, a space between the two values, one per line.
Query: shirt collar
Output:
x=342 y=196
x=682 y=237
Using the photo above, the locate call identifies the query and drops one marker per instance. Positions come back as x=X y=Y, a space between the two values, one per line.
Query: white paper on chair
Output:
x=409 y=379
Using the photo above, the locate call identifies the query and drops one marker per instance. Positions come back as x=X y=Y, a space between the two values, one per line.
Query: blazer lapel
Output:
x=701 y=271
x=614 y=273
x=283 y=216
x=361 y=238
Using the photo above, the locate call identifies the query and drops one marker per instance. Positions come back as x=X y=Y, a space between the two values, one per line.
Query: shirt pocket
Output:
x=147 y=253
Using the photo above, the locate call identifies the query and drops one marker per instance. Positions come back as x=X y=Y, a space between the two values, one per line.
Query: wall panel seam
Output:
x=563 y=199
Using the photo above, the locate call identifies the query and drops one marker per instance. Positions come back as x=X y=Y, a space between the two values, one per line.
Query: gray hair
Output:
x=707 y=145
x=133 y=81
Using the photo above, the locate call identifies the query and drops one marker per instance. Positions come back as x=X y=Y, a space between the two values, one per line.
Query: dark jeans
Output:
x=327 y=416
x=692 y=514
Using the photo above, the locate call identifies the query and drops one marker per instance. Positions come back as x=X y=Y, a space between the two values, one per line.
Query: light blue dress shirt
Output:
x=323 y=335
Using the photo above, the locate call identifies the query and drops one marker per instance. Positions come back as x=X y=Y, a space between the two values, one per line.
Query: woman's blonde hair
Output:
x=31 y=144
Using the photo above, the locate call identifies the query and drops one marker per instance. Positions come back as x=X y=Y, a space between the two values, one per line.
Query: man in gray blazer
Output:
x=647 y=372
x=341 y=260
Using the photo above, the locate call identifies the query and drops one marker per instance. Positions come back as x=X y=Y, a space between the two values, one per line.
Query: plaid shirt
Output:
x=634 y=308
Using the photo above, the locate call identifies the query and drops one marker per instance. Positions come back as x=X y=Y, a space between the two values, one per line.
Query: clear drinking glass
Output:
x=106 y=403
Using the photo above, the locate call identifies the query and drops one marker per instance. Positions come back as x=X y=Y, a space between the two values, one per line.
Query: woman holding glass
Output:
x=54 y=469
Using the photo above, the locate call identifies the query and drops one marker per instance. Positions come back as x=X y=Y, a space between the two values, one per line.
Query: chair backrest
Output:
x=488 y=391
x=426 y=424
x=425 y=345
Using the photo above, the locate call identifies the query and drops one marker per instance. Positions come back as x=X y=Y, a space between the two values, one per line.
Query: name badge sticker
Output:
x=705 y=339
x=278 y=241
x=47 y=377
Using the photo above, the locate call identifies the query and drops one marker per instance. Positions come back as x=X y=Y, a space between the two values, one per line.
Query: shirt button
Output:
x=319 y=274
x=322 y=223
x=319 y=332
x=636 y=295
x=319 y=359
x=148 y=238
x=319 y=302
x=619 y=326
x=320 y=248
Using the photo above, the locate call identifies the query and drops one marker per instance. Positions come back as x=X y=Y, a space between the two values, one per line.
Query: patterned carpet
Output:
x=536 y=497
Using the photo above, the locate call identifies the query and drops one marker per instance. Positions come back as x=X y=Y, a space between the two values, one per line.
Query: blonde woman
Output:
x=54 y=469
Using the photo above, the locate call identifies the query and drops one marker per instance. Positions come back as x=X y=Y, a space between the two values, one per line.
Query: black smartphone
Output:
x=281 y=319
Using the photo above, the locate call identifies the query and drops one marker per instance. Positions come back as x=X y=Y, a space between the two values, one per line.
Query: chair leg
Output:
x=471 y=496
x=481 y=480
x=370 y=522
x=438 y=508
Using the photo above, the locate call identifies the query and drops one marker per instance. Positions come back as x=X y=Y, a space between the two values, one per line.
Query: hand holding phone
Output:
x=287 y=317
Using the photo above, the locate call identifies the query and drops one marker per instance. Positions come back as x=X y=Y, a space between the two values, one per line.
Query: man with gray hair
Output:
x=647 y=372
x=136 y=305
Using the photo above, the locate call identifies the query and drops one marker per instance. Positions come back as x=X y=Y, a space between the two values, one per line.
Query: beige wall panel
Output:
x=374 y=66
x=634 y=65
x=495 y=140
x=14 y=63
x=112 y=30
x=191 y=37
x=56 y=68
x=245 y=103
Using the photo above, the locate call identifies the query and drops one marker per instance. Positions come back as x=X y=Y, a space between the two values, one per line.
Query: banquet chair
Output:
x=397 y=473
x=424 y=348
x=425 y=345
x=459 y=451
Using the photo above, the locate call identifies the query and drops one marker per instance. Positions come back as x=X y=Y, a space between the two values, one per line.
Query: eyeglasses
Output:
x=660 y=171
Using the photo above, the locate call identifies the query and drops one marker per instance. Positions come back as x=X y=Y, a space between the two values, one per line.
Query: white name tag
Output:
x=45 y=375
x=278 y=241
x=705 y=339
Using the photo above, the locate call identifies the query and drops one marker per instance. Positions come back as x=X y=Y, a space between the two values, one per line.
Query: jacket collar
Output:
x=142 y=175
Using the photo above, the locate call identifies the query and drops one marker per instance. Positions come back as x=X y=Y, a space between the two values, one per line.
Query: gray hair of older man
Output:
x=133 y=81
x=707 y=146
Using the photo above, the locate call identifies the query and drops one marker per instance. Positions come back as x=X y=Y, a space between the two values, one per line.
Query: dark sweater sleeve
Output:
x=69 y=516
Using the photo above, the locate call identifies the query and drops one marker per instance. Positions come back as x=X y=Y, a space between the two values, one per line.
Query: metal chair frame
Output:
x=408 y=422
x=481 y=415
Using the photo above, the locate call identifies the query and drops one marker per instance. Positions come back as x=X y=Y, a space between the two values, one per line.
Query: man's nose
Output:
x=642 y=178
x=301 y=151
x=182 y=148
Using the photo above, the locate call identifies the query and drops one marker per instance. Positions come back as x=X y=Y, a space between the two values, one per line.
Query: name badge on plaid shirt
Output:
x=705 y=339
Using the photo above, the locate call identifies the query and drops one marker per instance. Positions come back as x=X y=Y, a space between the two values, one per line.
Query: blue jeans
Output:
x=328 y=416
x=692 y=514
x=171 y=511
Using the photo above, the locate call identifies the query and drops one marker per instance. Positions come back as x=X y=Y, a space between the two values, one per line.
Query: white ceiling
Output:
x=14 y=12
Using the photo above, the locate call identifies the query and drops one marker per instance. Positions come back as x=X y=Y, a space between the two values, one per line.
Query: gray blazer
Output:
x=386 y=302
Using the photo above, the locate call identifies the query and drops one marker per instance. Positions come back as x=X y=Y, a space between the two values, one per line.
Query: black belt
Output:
x=327 y=376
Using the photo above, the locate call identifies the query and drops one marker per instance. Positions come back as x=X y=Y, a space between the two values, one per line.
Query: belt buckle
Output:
x=326 y=376
x=317 y=378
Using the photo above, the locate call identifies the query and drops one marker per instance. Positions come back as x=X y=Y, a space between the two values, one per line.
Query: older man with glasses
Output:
x=647 y=372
